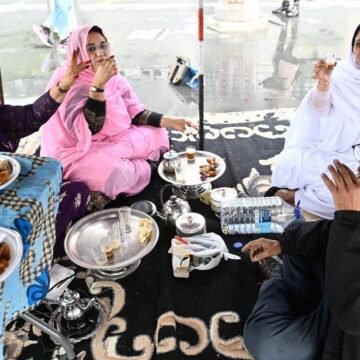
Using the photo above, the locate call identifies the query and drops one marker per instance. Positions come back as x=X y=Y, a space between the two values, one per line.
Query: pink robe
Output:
x=113 y=161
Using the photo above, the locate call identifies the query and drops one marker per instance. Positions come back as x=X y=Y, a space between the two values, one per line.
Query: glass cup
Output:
x=125 y=218
x=330 y=59
x=99 y=256
x=190 y=153
x=179 y=173
x=107 y=246
x=115 y=238
x=119 y=235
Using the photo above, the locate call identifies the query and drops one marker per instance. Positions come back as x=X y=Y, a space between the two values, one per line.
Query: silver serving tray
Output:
x=14 y=170
x=192 y=169
x=86 y=232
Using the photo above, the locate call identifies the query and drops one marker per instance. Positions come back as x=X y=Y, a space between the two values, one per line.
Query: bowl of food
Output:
x=11 y=249
x=9 y=170
x=100 y=243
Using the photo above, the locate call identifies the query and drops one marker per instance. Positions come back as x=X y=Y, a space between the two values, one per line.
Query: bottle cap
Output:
x=237 y=245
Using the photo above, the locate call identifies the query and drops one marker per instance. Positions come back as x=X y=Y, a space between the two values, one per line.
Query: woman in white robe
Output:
x=326 y=127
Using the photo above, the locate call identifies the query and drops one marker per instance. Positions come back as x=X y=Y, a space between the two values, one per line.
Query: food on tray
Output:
x=145 y=231
x=4 y=171
x=4 y=256
x=209 y=169
x=116 y=244
x=212 y=161
x=108 y=249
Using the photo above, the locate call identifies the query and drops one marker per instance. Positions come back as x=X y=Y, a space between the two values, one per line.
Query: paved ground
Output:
x=147 y=35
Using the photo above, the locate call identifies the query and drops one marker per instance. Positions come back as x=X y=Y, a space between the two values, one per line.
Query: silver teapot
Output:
x=171 y=161
x=72 y=306
x=172 y=208
x=76 y=318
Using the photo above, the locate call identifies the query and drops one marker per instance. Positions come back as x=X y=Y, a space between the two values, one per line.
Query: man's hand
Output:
x=344 y=187
x=262 y=248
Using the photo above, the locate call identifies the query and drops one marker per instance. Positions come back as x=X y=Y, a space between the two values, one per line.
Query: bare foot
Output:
x=287 y=195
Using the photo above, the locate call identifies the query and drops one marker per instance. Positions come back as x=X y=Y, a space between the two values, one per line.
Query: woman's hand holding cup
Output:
x=323 y=71
x=105 y=71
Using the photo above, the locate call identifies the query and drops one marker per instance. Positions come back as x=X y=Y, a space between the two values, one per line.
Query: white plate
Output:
x=13 y=239
x=14 y=168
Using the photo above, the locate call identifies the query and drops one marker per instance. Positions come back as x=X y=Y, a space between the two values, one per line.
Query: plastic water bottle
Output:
x=256 y=215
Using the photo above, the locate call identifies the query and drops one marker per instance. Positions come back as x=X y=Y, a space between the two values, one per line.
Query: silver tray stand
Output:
x=192 y=191
x=92 y=228
x=193 y=186
x=116 y=273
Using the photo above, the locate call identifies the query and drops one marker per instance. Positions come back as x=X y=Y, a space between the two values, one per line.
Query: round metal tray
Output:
x=85 y=233
x=14 y=170
x=191 y=170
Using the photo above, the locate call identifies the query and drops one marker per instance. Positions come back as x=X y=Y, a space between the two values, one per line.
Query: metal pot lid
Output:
x=172 y=154
x=223 y=194
x=190 y=223
x=145 y=206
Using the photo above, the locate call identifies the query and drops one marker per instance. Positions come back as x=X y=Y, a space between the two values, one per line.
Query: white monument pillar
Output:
x=233 y=16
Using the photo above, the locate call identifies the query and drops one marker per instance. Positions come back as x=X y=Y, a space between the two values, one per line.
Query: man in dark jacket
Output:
x=312 y=310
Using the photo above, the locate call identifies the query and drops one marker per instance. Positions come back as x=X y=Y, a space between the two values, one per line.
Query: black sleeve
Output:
x=94 y=112
x=147 y=117
x=308 y=238
x=20 y=121
x=342 y=271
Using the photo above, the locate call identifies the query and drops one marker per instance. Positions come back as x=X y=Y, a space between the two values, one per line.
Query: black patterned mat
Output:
x=152 y=315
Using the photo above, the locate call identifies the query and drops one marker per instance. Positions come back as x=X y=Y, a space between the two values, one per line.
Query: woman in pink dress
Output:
x=101 y=133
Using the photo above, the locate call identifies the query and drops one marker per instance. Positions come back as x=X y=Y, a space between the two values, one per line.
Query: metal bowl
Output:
x=258 y=185
x=89 y=230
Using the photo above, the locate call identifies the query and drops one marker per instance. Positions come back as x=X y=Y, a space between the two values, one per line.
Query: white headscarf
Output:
x=345 y=85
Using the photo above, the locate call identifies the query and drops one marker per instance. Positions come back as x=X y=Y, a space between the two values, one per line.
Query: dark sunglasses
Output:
x=356 y=151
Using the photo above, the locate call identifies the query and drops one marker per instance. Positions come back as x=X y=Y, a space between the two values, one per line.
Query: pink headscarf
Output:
x=70 y=114
x=78 y=40
x=67 y=137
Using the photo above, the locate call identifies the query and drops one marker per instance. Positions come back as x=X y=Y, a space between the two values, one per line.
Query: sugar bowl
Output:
x=220 y=195
x=190 y=224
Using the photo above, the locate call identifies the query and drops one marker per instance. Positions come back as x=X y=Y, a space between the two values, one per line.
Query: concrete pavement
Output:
x=266 y=70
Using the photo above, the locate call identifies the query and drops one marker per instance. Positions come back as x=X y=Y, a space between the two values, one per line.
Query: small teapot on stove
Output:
x=172 y=208
x=72 y=306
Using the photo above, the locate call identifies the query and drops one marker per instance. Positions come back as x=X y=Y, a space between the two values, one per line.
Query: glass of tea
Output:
x=190 y=153
x=99 y=256
x=107 y=246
